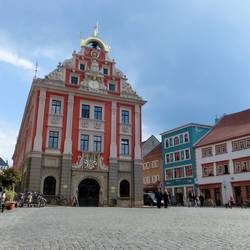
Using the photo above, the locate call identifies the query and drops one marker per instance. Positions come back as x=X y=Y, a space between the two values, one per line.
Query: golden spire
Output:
x=96 y=30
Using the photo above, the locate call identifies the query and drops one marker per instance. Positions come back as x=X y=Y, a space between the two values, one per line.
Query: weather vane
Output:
x=36 y=69
x=96 y=30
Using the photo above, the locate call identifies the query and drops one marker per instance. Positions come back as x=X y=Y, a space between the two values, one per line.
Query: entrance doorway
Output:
x=88 y=193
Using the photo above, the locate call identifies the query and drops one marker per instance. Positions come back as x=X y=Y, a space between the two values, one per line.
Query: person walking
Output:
x=158 y=197
x=201 y=198
x=3 y=198
x=166 y=198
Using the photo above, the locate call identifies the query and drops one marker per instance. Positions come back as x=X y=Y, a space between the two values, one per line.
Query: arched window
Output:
x=49 y=185
x=124 y=188
x=176 y=140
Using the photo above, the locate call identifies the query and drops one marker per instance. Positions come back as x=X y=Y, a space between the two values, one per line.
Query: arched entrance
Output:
x=49 y=186
x=88 y=193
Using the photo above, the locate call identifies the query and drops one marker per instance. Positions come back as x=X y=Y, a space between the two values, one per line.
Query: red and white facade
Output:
x=83 y=121
x=223 y=160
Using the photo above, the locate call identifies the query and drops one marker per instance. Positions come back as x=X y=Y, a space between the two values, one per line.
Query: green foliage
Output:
x=9 y=177
x=10 y=195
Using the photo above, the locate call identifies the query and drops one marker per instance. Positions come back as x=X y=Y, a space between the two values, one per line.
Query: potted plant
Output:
x=10 y=195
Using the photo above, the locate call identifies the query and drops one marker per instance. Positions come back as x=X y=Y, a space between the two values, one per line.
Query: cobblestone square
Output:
x=125 y=228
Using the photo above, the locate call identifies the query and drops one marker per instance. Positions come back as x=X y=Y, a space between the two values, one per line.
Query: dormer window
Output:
x=74 y=80
x=82 y=66
x=105 y=71
x=112 y=86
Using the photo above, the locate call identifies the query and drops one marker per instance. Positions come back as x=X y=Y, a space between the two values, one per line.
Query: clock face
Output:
x=93 y=84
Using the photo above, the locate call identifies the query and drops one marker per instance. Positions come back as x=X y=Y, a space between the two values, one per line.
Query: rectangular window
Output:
x=105 y=71
x=167 y=158
x=186 y=139
x=53 y=139
x=74 y=80
x=171 y=157
x=84 y=143
x=177 y=156
x=206 y=152
x=125 y=117
x=170 y=142
x=112 y=86
x=187 y=154
x=207 y=170
x=222 y=168
x=241 y=166
x=124 y=147
x=189 y=171
x=181 y=138
x=241 y=144
x=179 y=173
x=85 y=111
x=56 y=107
x=221 y=149
x=169 y=174
x=82 y=66
x=98 y=113
x=166 y=143
x=97 y=143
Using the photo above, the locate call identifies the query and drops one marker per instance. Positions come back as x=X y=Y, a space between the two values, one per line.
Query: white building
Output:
x=223 y=160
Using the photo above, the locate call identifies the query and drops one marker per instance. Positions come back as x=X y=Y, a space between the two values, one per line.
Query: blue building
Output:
x=179 y=159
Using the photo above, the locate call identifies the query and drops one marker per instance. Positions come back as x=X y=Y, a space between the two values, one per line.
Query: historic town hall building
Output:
x=81 y=132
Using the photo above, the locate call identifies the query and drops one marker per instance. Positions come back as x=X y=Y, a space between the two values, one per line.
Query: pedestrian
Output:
x=231 y=202
x=190 y=199
x=3 y=198
x=29 y=197
x=166 y=198
x=201 y=198
x=158 y=197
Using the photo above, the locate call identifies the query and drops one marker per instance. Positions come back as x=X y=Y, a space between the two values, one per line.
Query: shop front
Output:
x=241 y=191
x=212 y=193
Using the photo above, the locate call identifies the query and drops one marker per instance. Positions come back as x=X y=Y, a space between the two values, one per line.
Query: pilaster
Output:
x=113 y=144
x=137 y=133
x=68 y=137
x=39 y=122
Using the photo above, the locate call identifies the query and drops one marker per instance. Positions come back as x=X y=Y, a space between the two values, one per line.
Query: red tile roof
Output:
x=229 y=127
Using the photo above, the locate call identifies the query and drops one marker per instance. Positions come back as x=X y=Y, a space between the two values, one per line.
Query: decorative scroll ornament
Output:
x=90 y=161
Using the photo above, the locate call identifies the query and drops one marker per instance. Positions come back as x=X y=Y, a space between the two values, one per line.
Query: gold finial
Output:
x=96 y=30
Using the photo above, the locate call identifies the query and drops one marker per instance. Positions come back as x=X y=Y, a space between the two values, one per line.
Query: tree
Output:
x=9 y=177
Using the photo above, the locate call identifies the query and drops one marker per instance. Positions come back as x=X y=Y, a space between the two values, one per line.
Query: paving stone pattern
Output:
x=125 y=228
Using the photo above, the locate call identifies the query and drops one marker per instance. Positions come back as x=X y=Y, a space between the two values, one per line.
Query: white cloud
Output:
x=14 y=59
x=8 y=136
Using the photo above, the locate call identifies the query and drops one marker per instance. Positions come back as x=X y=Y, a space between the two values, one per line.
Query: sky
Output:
x=189 y=59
